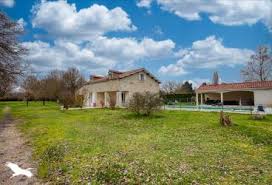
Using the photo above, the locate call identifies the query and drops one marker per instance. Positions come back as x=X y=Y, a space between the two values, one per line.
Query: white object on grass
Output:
x=19 y=171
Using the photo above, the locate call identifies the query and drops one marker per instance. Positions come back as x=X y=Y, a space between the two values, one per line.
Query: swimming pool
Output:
x=210 y=108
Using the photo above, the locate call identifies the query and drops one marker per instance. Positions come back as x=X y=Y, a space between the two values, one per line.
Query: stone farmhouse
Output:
x=117 y=87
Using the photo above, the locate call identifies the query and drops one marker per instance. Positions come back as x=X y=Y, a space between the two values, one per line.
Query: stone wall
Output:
x=130 y=85
x=263 y=97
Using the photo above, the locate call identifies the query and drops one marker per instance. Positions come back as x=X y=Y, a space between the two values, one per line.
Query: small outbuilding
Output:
x=242 y=94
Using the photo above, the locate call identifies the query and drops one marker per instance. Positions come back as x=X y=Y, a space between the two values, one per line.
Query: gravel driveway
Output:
x=15 y=149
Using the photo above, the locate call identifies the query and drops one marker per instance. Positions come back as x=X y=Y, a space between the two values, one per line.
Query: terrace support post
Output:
x=106 y=99
x=90 y=99
x=94 y=99
x=197 y=100
x=222 y=98
x=118 y=99
x=201 y=99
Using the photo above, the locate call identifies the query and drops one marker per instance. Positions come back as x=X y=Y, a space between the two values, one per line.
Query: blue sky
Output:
x=175 y=40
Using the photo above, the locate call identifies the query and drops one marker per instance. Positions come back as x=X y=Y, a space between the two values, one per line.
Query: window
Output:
x=123 y=97
x=142 y=77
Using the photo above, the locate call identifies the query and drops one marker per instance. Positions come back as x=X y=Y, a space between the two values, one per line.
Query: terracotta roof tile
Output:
x=123 y=75
x=236 y=86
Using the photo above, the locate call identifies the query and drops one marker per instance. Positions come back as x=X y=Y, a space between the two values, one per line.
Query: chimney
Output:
x=114 y=74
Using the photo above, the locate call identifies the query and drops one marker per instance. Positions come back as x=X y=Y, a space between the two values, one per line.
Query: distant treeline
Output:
x=60 y=86
x=177 y=92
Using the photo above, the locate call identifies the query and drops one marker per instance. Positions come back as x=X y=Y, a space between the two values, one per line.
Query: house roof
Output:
x=121 y=75
x=236 y=86
x=96 y=77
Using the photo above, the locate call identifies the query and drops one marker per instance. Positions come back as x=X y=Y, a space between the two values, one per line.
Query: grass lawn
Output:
x=172 y=147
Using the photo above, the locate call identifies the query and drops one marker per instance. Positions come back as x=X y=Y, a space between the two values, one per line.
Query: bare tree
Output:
x=11 y=52
x=31 y=86
x=215 y=80
x=38 y=89
x=53 y=84
x=42 y=90
x=56 y=85
x=259 y=68
x=72 y=80
x=67 y=99
x=184 y=88
x=169 y=87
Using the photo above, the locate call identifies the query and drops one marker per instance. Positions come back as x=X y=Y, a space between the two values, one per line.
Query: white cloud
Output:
x=144 y=3
x=61 y=19
x=172 y=69
x=81 y=41
x=61 y=55
x=17 y=89
x=130 y=49
x=196 y=82
x=7 y=3
x=158 y=30
x=226 y=12
x=208 y=53
x=21 y=23
x=98 y=55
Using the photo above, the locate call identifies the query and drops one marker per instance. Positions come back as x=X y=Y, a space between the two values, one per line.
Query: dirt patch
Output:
x=15 y=149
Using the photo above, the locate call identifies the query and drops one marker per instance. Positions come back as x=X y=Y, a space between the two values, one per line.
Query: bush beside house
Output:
x=145 y=103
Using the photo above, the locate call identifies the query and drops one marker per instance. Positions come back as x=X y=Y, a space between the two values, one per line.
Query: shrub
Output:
x=79 y=100
x=145 y=103
x=136 y=103
x=67 y=99
x=258 y=116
